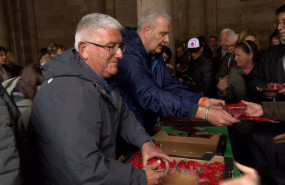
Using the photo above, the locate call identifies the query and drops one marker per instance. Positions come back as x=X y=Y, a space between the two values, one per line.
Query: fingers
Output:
x=164 y=156
x=244 y=169
x=279 y=139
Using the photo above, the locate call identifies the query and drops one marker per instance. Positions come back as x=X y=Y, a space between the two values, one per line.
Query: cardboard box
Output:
x=196 y=148
x=200 y=150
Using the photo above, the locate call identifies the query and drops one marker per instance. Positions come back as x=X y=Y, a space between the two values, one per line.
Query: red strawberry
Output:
x=221 y=168
x=221 y=177
x=161 y=165
x=190 y=165
x=196 y=166
x=172 y=164
x=182 y=164
x=152 y=160
x=157 y=145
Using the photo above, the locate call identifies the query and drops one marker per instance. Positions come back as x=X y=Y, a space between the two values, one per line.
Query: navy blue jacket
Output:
x=149 y=88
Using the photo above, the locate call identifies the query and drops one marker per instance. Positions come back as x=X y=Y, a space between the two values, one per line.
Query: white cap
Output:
x=193 y=43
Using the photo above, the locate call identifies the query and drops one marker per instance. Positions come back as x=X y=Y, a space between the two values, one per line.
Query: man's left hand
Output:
x=149 y=150
x=216 y=103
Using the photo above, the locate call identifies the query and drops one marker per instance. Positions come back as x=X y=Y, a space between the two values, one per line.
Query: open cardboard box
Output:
x=193 y=147
x=198 y=149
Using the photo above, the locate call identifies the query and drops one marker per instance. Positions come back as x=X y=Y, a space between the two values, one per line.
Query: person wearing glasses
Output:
x=146 y=84
x=78 y=112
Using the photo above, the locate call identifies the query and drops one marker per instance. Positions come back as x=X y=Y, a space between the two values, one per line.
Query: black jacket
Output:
x=74 y=124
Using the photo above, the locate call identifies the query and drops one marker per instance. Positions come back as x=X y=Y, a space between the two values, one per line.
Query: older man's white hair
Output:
x=233 y=36
x=92 y=22
x=228 y=30
x=149 y=17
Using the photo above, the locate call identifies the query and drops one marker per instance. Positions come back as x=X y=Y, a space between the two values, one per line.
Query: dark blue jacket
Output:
x=151 y=93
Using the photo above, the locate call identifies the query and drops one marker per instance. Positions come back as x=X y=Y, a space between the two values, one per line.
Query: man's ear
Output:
x=83 y=50
x=147 y=31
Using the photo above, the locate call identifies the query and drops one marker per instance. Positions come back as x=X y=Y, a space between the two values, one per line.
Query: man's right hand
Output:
x=152 y=176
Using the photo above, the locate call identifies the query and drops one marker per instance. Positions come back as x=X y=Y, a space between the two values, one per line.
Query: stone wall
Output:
x=27 y=26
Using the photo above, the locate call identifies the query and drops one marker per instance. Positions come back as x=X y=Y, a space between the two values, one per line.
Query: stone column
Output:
x=166 y=5
x=197 y=17
x=211 y=18
x=4 y=40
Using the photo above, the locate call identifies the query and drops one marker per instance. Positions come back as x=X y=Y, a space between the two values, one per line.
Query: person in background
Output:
x=249 y=35
x=274 y=38
x=228 y=60
x=233 y=91
x=78 y=112
x=181 y=62
x=52 y=50
x=12 y=68
x=201 y=69
x=167 y=54
x=4 y=74
x=23 y=89
x=222 y=49
x=212 y=42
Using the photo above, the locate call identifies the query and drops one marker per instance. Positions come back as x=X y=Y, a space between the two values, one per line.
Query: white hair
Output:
x=92 y=22
x=230 y=31
x=233 y=36
x=150 y=17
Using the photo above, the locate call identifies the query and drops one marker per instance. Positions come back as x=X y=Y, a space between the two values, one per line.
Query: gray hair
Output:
x=150 y=17
x=233 y=36
x=92 y=22
x=230 y=31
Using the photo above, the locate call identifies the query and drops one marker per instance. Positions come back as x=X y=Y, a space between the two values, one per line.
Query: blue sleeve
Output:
x=159 y=92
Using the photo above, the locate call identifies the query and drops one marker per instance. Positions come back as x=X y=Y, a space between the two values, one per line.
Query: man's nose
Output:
x=119 y=53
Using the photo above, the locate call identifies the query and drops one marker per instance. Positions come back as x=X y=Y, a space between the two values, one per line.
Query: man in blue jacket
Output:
x=147 y=85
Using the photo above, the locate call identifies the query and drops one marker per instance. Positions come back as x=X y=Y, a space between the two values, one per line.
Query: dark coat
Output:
x=202 y=72
x=74 y=124
x=151 y=90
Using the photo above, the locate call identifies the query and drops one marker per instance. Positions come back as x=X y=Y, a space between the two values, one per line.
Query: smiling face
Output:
x=103 y=61
x=154 y=38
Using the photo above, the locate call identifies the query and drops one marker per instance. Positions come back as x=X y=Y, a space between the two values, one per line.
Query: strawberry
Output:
x=221 y=168
x=158 y=145
x=172 y=164
x=221 y=177
x=182 y=164
x=161 y=166
x=152 y=160
x=196 y=166
x=190 y=165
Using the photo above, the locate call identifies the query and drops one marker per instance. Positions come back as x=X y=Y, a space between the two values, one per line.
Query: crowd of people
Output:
x=83 y=107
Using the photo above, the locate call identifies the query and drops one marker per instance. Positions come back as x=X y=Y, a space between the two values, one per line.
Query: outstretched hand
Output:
x=250 y=177
x=253 y=109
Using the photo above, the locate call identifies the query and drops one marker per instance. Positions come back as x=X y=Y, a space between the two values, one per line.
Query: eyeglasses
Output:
x=112 y=49
x=231 y=46
x=276 y=23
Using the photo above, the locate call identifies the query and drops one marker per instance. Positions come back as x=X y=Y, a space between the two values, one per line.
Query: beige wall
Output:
x=32 y=24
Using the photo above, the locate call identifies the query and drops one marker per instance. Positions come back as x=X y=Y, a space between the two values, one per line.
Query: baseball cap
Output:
x=194 y=45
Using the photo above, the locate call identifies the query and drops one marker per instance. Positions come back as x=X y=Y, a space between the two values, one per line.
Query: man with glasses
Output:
x=78 y=112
